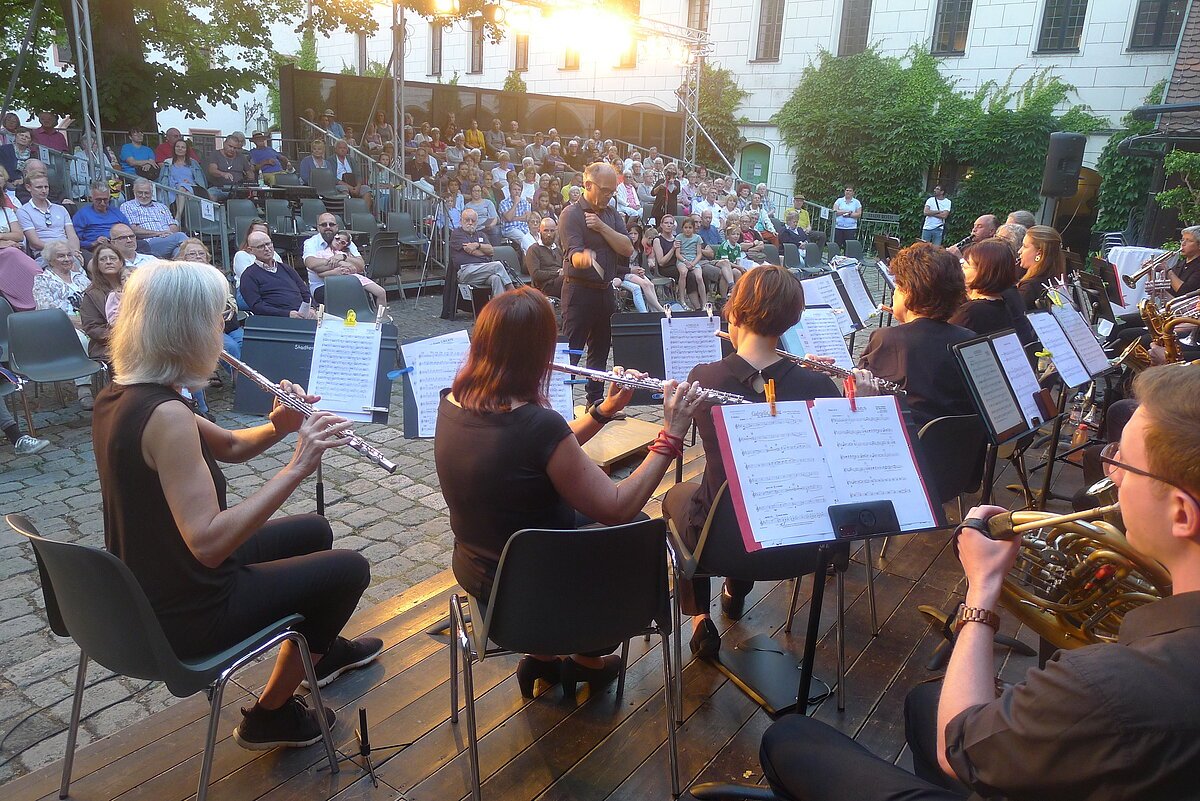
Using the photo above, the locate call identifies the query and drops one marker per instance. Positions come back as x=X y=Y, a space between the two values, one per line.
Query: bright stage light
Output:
x=591 y=31
x=445 y=6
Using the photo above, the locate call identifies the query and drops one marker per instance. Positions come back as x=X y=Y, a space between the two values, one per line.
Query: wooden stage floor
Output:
x=545 y=749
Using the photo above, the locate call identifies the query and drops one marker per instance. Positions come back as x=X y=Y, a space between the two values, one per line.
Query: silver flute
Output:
x=651 y=384
x=296 y=403
x=881 y=384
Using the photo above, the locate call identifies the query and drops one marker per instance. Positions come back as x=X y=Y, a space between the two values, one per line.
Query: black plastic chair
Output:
x=44 y=347
x=554 y=594
x=791 y=256
x=345 y=292
x=357 y=205
x=854 y=249
x=407 y=234
x=832 y=250
x=240 y=207
x=277 y=208
x=93 y=598
x=383 y=259
x=507 y=255
x=310 y=209
x=324 y=184
x=287 y=179
x=6 y=311
x=771 y=253
x=812 y=256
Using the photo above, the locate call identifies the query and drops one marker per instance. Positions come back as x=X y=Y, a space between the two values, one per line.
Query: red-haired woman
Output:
x=507 y=462
x=765 y=303
x=993 y=302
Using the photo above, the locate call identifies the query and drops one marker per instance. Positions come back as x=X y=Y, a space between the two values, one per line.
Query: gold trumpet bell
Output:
x=1136 y=357
x=1074 y=581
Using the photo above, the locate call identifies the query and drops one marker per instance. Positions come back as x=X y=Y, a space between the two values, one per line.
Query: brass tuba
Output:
x=1076 y=576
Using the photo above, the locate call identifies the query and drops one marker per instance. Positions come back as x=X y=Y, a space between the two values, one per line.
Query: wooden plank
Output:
x=620 y=440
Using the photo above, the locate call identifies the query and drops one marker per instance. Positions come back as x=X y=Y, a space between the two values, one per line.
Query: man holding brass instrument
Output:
x=1106 y=721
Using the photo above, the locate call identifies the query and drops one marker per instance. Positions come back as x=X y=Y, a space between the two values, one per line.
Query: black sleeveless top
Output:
x=138 y=525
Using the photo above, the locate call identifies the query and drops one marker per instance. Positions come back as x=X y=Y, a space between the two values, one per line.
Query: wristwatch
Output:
x=977 y=614
x=598 y=415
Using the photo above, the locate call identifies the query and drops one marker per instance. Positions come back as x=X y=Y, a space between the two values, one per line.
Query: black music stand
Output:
x=637 y=344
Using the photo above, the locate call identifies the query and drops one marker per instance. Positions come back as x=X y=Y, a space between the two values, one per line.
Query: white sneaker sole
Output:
x=352 y=666
x=268 y=746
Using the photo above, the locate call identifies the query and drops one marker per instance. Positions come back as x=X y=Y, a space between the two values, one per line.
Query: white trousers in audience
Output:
x=489 y=273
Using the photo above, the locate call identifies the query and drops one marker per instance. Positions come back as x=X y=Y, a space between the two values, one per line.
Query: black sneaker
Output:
x=346 y=655
x=706 y=640
x=293 y=725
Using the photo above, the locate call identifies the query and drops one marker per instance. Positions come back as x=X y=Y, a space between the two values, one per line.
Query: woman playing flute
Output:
x=214 y=573
x=764 y=304
x=506 y=462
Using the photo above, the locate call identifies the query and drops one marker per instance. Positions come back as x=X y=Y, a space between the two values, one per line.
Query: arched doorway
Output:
x=754 y=163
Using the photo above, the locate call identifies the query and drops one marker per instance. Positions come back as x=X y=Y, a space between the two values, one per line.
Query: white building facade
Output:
x=1112 y=51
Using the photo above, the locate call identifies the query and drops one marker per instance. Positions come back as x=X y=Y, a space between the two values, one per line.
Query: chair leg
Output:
x=624 y=664
x=841 y=640
x=69 y=758
x=792 y=608
x=28 y=414
x=453 y=665
x=216 y=695
x=472 y=742
x=871 y=588
x=677 y=643
x=314 y=694
x=672 y=745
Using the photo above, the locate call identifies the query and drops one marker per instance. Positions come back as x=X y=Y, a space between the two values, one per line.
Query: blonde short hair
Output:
x=53 y=248
x=170 y=328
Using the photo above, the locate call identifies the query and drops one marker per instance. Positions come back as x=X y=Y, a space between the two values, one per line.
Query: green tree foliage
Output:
x=1125 y=180
x=883 y=124
x=513 y=82
x=1184 y=168
x=720 y=97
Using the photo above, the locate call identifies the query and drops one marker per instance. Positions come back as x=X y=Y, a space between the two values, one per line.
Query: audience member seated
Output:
x=49 y=135
x=94 y=221
x=514 y=215
x=688 y=255
x=544 y=259
x=15 y=154
x=17 y=270
x=137 y=158
x=44 y=222
x=792 y=233
x=372 y=142
x=315 y=160
x=515 y=141
x=537 y=150
x=1042 y=261
x=417 y=168
x=331 y=126
x=576 y=159
x=349 y=178
x=181 y=171
x=916 y=354
x=485 y=213
x=632 y=276
x=122 y=237
x=270 y=288
x=990 y=270
x=321 y=260
x=61 y=286
x=457 y=152
x=554 y=161
x=244 y=256
x=79 y=170
x=628 y=202
x=166 y=148
x=151 y=221
x=227 y=167
x=11 y=122
x=267 y=160
x=106 y=270
x=471 y=255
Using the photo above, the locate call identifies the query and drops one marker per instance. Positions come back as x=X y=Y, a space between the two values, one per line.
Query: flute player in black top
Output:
x=765 y=303
x=594 y=243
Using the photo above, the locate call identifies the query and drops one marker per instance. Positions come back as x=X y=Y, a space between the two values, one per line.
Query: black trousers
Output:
x=807 y=760
x=695 y=596
x=587 y=320
x=287 y=567
x=840 y=235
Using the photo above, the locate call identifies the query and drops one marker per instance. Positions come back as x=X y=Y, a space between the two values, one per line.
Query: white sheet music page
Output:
x=561 y=399
x=871 y=459
x=1020 y=375
x=1066 y=361
x=434 y=362
x=818 y=333
x=689 y=341
x=856 y=290
x=991 y=386
x=1082 y=338
x=822 y=291
x=779 y=480
x=345 y=364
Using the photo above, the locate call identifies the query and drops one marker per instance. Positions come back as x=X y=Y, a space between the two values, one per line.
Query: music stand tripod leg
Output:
x=814 y=626
x=1052 y=454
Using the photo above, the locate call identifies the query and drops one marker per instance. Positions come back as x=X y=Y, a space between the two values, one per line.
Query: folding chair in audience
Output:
x=44 y=348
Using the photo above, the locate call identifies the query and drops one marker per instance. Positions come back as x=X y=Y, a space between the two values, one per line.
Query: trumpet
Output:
x=305 y=408
x=1148 y=267
x=882 y=385
x=651 y=384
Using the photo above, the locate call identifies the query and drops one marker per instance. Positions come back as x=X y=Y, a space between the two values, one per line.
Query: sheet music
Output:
x=991 y=387
x=434 y=362
x=561 y=399
x=687 y=342
x=779 y=474
x=1082 y=338
x=856 y=291
x=870 y=457
x=818 y=333
x=1020 y=376
x=1066 y=361
x=822 y=291
x=345 y=364
x=886 y=272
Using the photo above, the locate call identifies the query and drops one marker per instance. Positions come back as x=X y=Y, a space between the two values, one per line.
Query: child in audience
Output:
x=688 y=252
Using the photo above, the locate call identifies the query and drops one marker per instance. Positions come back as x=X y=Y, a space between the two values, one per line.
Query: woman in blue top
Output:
x=136 y=158
x=184 y=173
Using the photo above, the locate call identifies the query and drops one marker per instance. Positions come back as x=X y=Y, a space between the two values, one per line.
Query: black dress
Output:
x=492 y=470
x=983 y=316
x=917 y=356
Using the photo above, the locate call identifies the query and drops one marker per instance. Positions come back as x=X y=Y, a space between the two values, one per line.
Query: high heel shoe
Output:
x=530 y=670
x=573 y=673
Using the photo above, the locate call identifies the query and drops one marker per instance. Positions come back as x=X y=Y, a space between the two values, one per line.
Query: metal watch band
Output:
x=977 y=614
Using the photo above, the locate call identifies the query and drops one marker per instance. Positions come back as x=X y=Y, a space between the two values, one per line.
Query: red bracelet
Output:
x=667 y=435
x=667 y=445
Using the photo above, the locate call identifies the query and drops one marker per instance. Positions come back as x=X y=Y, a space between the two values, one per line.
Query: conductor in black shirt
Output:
x=916 y=354
x=594 y=242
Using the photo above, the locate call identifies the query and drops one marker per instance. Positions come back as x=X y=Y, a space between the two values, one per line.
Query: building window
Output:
x=627 y=58
x=571 y=59
x=476 y=44
x=522 y=54
x=1157 y=24
x=435 y=48
x=360 y=52
x=698 y=14
x=770 y=30
x=1062 y=26
x=856 y=22
x=950 y=27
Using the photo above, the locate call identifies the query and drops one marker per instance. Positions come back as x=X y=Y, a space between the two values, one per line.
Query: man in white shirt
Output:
x=122 y=237
x=321 y=260
x=44 y=221
x=846 y=211
x=501 y=170
x=538 y=150
x=937 y=209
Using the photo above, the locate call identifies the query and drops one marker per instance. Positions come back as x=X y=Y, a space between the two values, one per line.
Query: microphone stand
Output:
x=364 y=749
